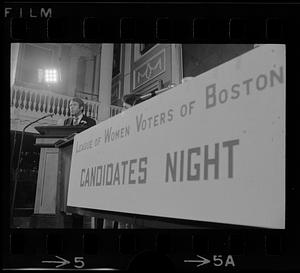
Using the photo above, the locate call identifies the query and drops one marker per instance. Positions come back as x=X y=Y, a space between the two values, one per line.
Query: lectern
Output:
x=47 y=208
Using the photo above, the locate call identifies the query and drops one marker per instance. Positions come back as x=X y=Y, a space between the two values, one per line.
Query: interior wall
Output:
x=198 y=58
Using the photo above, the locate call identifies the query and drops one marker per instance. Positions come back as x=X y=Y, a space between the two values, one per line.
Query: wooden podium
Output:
x=49 y=209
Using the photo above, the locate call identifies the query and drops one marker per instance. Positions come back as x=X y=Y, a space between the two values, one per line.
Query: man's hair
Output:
x=79 y=101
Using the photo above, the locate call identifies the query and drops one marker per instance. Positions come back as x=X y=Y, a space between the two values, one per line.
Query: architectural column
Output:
x=176 y=63
x=105 y=80
x=13 y=61
x=127 y=68
x=72 y=72
x=97 y=74
x=89 y=75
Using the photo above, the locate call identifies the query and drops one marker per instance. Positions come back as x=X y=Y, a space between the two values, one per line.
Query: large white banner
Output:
x=211 y=149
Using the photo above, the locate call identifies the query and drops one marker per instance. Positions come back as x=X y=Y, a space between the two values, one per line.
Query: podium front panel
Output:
x=45 y=202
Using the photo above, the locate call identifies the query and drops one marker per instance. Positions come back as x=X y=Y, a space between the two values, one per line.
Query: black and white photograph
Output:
x=147 y=136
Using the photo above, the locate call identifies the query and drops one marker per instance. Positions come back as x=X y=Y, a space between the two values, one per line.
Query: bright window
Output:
x=51 y=76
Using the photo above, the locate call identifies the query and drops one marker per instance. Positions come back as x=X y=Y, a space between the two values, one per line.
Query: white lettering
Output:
x=45 y=13
x=7 y=11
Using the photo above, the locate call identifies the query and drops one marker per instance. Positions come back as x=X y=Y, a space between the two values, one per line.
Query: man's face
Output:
x=74 y=108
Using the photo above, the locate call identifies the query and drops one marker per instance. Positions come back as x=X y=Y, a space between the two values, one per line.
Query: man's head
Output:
x=76 y=106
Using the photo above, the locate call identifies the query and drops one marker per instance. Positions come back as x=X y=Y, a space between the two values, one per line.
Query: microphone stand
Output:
x=18 y=167
x=13 y=151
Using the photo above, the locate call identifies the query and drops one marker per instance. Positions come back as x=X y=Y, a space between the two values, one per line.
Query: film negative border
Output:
x=162 y=29
x=163 y=22
x=122 y=250
x=187 y=250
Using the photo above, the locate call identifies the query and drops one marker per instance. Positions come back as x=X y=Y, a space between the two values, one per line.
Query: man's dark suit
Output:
x=85 y=121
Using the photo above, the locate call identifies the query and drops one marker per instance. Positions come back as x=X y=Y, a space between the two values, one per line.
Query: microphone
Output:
x=45 y=116
x=18 y=164
x=132 y=99
x=156 y=92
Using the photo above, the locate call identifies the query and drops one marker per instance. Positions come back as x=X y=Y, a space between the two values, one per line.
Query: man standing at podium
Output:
x=77 y=117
